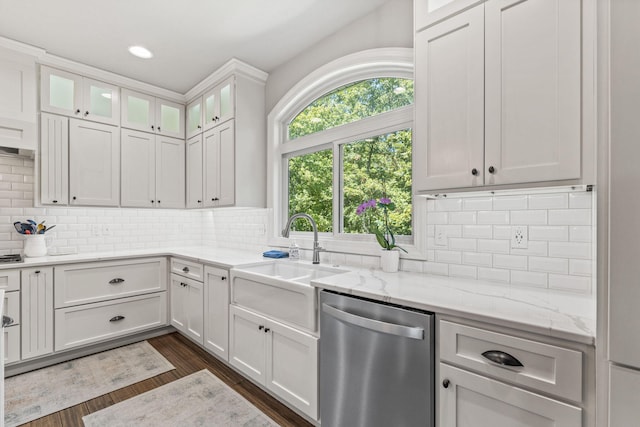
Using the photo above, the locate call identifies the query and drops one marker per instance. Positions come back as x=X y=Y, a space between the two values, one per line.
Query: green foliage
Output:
x=373 y=168
x=350 y=103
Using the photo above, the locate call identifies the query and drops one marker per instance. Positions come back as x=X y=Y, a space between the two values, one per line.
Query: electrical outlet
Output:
x=519 y=237
x=96 y=230
x=441 y=236
x=106 y=230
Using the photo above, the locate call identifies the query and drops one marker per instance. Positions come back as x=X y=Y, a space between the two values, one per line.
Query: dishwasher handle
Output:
x=374 y=325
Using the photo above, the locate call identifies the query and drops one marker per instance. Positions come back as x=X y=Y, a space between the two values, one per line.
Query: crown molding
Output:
x=21 y=47
x=233 y=66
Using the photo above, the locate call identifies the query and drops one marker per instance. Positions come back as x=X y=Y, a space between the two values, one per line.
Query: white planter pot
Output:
x=389 y=261
x=35 y=245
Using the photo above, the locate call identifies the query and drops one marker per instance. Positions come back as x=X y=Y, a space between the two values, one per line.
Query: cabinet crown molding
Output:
x=233 y=66
x=21 y=47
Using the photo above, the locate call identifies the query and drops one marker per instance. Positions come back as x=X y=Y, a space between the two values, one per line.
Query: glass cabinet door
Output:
x=194 y=118
x=227 y=98
x=138 y=111
x=170 y=118
x=211 y=100
x=101 y=102
x=61 y=92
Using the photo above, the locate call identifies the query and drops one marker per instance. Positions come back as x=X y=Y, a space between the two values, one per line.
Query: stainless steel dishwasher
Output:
x=376 y=364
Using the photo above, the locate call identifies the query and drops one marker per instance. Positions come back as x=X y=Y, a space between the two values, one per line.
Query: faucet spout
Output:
x=316 y=246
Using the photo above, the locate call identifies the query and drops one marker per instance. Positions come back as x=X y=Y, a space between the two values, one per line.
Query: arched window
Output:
x=342 y=137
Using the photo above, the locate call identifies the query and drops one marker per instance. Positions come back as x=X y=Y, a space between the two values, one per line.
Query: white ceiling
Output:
x=190 y=39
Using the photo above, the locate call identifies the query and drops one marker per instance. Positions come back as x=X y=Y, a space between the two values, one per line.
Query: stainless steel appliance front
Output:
x=376 y=364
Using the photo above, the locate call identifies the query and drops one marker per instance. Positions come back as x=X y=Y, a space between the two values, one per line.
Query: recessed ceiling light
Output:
x=140 y=52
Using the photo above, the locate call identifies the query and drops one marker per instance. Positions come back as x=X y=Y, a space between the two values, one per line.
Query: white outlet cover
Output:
x=441 y=236
x=519 y=237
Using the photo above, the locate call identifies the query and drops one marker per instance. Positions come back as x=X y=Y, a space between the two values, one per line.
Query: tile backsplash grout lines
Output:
x=476 y=229
x=471 y=237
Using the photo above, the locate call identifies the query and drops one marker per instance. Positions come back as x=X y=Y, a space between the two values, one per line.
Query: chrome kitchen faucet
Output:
x=316 y=246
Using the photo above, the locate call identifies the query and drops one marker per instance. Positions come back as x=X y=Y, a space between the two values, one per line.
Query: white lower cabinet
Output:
x=187 y=308
x=468 y=399
x=281 y=358
x=11 y=344
x=624 y=402
x=216 y=311
x=37 y=311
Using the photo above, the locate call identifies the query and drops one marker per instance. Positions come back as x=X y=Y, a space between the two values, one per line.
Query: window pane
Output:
x=350 y=103
x=374 y=168
x=311 y=189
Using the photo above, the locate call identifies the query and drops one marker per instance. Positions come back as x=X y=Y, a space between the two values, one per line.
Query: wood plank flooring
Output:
x=187 y=358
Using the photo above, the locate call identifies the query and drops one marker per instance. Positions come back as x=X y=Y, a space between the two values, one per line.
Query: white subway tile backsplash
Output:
x=494 y=274
x=580 y=233
x=477 y=204
x=437 y=218
x=549 y=265
x=493 y=217
x=446 y=205
x=582 y=200
x=502 y=232
x=436 y=268
x=570 y=217
x=465 y=271
x=570 y=250
x=449 y=257
x=549 y=201
x=493 y=246
x=552 y=233
x=570 y=283
x=533 y=248
x=474 y=231
x=462 y=218
x=510 y=262
x=530 y=217
x=529 y=278
x=411 y=265
x=509 y=203
x=474 y=258
x=580 y=267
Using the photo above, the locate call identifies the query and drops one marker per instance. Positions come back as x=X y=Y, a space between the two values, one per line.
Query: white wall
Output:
x=391 y=25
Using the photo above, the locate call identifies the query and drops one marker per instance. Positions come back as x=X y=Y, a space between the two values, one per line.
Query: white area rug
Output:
x=199 y=399
x=45 y=391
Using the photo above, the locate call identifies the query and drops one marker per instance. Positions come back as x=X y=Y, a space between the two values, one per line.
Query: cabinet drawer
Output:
x=10 y=280
x=92 y=282
x=85 y=324
x=545 y=367
x=11 y=344
x=189 y=269
x=12 y=306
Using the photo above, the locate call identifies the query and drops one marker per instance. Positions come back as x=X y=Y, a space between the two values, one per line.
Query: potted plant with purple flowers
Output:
x=375 y=217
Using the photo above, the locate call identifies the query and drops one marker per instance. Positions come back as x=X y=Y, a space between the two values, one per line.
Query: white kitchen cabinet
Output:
x=283 y=359
x=94 y=164
x=194 y=117
x=219 y=104
x=529 y=98
x=194 y=172
x=54 y=159
x=624 y=396
x=219 y=165
x=36 y=311
x=152 y=169
x=18 y=115
x=187 y=307
x=216 y=311
x=150 y=114
x=10 y=283
x=428 y=12
x=11 y=344
x=72 y=95
x=468 y=399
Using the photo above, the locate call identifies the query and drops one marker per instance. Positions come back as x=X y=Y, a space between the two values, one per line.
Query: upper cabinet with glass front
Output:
x=76 y=96
x=150 y=114
x=215 y=107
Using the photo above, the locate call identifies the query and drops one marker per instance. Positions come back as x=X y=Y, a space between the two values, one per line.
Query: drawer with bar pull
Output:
x=84 y=283
x=86 y=324
x=544 y=367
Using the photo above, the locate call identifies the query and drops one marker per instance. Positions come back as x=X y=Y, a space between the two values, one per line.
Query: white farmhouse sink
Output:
x=280 y=289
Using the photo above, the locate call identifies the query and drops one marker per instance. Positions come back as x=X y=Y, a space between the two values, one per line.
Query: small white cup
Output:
x=35 y=245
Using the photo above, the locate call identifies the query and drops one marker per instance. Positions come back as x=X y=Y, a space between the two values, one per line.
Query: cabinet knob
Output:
x=153 y=127
x=223 y=278
x=445 y=383
x=86 y=113
x=266 y=330
x=37 y=271
x=158 y=128
x=492 y=169
x=216 y=118
x=158 y=201
x=54 y=201
x=199 y=127
x=260 y=327
x=474 y=172
x=199 y=201
x=78 y=111
x=152 y=201
x=74 y=197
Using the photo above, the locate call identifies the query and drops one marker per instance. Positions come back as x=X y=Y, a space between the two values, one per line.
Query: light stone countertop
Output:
x=542 y=311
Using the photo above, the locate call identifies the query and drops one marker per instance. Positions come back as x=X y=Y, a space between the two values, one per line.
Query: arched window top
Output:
x=352 y=102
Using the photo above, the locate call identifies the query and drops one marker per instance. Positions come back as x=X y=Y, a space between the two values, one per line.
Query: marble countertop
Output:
x=551 y=313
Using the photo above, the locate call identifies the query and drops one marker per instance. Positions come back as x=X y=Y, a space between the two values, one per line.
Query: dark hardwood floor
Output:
x=187 y=358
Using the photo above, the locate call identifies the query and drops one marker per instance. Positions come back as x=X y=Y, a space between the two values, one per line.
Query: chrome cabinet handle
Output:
x=116 y=281
x=501 y=358
x=6 y=321
x=374 y=325
x=116 y=318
